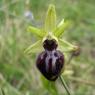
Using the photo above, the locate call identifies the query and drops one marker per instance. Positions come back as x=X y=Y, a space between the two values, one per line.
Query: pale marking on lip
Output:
x=50 y=54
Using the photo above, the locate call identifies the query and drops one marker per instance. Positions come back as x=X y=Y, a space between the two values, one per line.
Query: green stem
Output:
x=65 y=85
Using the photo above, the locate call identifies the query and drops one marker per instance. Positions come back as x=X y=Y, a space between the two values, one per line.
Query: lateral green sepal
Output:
x=66 y=46
x=34 y=48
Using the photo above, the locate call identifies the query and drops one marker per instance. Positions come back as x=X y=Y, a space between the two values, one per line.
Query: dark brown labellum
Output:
x=50 y=64
x=51 y=61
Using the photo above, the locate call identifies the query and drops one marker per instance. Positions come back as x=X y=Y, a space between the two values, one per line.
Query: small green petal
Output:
x=60 y=29
x=50 y=22
x=34 y=48
x=66 y=46
x=36 y=31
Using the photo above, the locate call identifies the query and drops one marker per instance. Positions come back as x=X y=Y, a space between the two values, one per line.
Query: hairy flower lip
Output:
x=50 y=64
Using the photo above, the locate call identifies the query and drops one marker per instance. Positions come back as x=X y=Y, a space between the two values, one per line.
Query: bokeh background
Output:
x=18 y=73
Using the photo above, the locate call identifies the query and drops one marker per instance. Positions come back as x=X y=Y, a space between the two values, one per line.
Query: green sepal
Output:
x=66 y=46
x=60 y=29
x=36 y=31
x=34 y=48
x=50 y=21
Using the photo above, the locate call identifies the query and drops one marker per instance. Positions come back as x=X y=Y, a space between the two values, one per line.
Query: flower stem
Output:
x=65 y=85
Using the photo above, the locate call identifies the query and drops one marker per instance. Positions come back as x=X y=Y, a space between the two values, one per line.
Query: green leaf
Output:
x=36 y=31
x=60 y=29
x=66 y=46
x=34 y=48
x=50 y=22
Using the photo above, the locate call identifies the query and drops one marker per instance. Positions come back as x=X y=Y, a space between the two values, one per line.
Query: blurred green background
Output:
x=18 y=73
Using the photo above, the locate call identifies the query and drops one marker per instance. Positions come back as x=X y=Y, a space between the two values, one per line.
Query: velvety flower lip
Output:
x=50 y=64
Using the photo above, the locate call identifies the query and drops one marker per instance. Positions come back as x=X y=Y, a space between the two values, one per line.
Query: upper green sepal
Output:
x=50 y=21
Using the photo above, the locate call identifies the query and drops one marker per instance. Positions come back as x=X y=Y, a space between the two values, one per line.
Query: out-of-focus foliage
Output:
x=18 y=73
